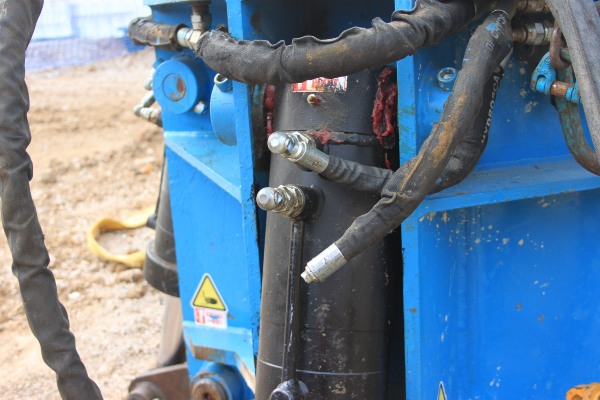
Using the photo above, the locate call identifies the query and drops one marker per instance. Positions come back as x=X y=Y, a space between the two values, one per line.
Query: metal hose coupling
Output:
x=299 y=148
x=294 y=201
x=319 y=268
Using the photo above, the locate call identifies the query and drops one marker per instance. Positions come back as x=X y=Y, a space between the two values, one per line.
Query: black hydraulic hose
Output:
x=143 y=31
x=461 y=164
x=407 y=188
x=469 y=151
x=355 y=50
x=46 y=315
x=580 y=24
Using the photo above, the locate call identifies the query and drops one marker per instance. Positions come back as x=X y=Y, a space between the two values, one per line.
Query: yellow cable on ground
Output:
x=136 y=220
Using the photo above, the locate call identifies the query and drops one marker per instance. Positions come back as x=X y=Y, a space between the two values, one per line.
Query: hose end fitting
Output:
x=299 y=148
x=319 y=268
x=278 y=142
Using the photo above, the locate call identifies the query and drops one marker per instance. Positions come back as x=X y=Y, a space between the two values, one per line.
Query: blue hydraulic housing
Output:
x=500 y=271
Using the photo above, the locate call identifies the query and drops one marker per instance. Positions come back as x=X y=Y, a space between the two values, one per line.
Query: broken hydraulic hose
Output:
x=46 y=315
x=373 y=179
x=355 y=50
x=580 y=24
x=407 y=188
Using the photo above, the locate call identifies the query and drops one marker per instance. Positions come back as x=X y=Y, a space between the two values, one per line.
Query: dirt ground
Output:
x=92 y=157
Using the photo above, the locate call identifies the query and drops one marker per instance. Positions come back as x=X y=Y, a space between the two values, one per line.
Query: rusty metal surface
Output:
x=570 y=122
x=556 y=43
x=584 y=392
x=173 y=381
x=559 y=89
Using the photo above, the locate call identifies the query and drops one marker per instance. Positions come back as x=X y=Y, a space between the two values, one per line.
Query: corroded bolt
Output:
x=313 y=100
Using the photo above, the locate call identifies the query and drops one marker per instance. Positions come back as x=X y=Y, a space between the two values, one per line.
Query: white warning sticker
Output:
x=339 y=84
x=209 y=307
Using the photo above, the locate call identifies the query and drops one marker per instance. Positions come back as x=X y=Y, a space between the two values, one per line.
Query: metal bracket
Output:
x=544 y=81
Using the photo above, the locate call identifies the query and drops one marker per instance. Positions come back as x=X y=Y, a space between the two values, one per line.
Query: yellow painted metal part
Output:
x=585 y=392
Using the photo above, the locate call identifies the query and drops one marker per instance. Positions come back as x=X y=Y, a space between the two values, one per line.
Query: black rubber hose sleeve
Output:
x=355 y=50
x=469 y=151
x=143 y=31
x=356 y=176
x=490 y=44
x=464 y=159
x=46 y=316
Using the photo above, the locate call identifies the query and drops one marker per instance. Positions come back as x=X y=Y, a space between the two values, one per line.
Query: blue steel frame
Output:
x=499 y=271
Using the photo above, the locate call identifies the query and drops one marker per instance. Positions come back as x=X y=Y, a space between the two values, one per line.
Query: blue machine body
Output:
x=500 y=271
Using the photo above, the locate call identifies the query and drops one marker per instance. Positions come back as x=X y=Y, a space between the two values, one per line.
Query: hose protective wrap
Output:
x=143 y=31
x=407 y=188
x=464 y=159
x=355 y=50
x=46 y=315
x=469 y=151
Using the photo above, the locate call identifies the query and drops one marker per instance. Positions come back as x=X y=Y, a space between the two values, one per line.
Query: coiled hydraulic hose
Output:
x=46 y=315
x=355 y=50
x=407 y=188
x=461 y=164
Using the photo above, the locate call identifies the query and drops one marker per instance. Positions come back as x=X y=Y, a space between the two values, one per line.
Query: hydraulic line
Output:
x=580 y=24
x=407 y=188
x=47 y=317
x=355 y=50
x=461 y=164
x=143 y=31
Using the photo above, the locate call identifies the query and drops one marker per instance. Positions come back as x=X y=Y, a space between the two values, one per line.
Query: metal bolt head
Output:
x=267 y=199
x=313 y=100
x=201 y=108
x=446 y=78
x=278 y=142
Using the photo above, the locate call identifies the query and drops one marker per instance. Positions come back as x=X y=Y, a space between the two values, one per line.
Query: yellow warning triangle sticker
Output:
x=442 y=392
x=207 y=295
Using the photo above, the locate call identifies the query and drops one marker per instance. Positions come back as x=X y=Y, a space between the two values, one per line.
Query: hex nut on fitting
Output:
x=192 y=38
x=322 y=266
x=446 y=78
x=201 y=108
x=287 y=200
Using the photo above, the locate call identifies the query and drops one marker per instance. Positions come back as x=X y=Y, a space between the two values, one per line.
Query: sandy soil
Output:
x=88 y=151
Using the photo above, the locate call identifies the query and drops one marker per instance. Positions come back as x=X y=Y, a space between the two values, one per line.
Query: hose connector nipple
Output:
x=319 y=268
x=299 y=148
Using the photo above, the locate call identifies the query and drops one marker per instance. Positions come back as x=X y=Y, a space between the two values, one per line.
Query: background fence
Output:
x=81 y=31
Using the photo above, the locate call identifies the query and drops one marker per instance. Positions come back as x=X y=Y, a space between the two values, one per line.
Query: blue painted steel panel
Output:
x=507 y=305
